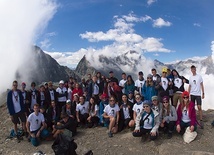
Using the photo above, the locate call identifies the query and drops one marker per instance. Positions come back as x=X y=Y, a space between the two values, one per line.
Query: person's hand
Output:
x=38 y=134
x=162 y=125
x=191 y=128
x=202 y=96
x=136 y=131
x=11 y=117
x=78 y=120
x=153 y=133
x=89 y=118
x=178 y=128
x=32 y=135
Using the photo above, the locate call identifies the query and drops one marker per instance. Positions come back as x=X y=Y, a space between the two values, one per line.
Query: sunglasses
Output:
x=165 y=102
x=145 y=106
x=137 y=98
x=185 y=97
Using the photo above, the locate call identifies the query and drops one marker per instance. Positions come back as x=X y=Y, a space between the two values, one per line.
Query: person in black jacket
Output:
x=65 y=126
x=52 y=115
x=126 y=113
x=178 y=87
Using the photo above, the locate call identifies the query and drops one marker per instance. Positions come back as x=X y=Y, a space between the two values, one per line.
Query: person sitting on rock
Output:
x=82 y=111
x=168 y=117
x=111 y=116
x=147 y=122
x=52 y=115
x=93 y=118
x=156 y=105
x=66 y=126
x=36 y=126
x=186 y=115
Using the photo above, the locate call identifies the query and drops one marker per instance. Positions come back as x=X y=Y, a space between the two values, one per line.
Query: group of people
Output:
x=146 y=105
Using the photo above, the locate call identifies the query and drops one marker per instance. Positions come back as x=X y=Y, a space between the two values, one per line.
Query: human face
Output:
x=112 y=101
x=92 y=101
x=186 y=98
x=155 y=102
x=147 y=108
x=36 y=109
x=124 y=98
x=164 y=74
x=123 y=76
x=193 y=70
x=138 y=98
x=82 y=100
x=153 y=72
x=15 y=85
x=165 y=103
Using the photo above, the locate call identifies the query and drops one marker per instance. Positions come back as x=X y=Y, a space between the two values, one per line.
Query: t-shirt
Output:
x=83 y=108
x=148 y=122
x=121 y=84
x=126 y=112
x=96 y=89
x=111 y=111
x=16 y=102
x=138 y=108
x=164 y=83
x=178 y=82
x=96 y=109
x=195 y=83
x=70 y=94
x=139 y=84
x=185 y=115
x=33 y=98
x=62 y=91
x=35 y=121
x=52 y=95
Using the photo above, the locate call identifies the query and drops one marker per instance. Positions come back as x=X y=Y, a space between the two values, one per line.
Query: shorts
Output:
x=197 y=99
x=19 y=116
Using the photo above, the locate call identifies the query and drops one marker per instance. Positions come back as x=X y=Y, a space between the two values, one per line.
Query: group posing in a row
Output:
x=147 y=105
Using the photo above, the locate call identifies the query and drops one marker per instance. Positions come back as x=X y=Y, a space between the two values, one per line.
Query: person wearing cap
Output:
x=103 y=103
x=137 y=108
x=139 y=82
x=25 y=98
x=148 y=89
x=168 y=117
x=34 y=95
x=164 y=85
x=147 y=122
x=51 y=94
x=52 y=115
x=178 y=87
x=16 y=109
x=122 y=82
x=186 y=115
x=62 y=94
x=196 y=90
x=156 y=104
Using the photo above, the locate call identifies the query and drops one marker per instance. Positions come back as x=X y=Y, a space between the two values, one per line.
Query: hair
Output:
x=36 y=105
x=183 y=105
x=153 y=69
x=167 y=109
x=129 y=82
x=123 y=74
x=15 y=82
x=149 y=83
x=92 y=106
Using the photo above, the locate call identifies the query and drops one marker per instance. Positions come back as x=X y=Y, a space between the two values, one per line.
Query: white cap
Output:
x=61 y=82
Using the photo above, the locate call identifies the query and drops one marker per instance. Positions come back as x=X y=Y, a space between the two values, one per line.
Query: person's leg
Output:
x=171 y=127
x=137 y=134
x=111 y=125
x=175 y=99
x=131 y=123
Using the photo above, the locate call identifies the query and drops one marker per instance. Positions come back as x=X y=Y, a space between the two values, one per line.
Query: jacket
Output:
x=171 y=117
x=156 y=120
x=10 y=102
x=191 y=111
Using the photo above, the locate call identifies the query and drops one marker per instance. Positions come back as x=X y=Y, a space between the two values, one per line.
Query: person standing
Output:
x=196 y=86
x=62 y=94
x=139 y=82
x=16 y=108
x=122 y=82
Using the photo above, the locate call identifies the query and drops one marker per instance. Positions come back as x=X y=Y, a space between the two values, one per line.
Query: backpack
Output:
x=64 y=145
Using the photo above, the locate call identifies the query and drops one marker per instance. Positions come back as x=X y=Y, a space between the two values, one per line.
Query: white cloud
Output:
x=51 y=34
x=197 y=24
x=160 y=23
x=24 y=21
x=45 y=43
x=149 y=2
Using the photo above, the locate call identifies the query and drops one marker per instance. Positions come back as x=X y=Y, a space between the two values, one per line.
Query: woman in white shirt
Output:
x=93 y=118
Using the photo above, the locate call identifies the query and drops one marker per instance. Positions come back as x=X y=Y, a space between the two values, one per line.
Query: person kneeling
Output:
x=66 y=126
x=147 y=122
x=36 y=126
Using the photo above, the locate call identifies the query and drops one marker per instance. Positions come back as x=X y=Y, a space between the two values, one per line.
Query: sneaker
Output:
x=110 y=134
x=169 y=135
x=202 y=124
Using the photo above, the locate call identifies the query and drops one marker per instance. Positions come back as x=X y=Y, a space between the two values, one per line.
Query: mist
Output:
x=22 y=22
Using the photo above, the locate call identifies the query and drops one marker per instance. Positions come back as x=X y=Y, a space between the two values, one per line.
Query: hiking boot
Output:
x=26 y=134
x=201 y=124
x=110 y=134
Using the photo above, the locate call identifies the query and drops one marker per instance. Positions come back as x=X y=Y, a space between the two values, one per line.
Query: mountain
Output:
x=46 y=68
x=131 y=62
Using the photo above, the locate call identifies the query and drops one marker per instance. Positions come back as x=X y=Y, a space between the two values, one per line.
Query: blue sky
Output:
x=166 y=30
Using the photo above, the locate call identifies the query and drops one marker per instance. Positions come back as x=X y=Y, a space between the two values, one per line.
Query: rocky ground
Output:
x=123 y=143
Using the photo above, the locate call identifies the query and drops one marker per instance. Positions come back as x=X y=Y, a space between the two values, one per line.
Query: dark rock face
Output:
x=47 y=68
